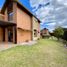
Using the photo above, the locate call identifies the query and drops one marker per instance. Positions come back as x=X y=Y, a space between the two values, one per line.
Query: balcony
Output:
x=10 y=17
x=2 y=17
x=4 y=22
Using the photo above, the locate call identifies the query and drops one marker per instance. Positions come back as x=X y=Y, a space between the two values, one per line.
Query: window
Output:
x=10 y=16
x=10 y=11
x=35 y=33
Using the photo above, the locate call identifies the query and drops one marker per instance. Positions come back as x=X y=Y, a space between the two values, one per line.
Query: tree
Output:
x=58 y=32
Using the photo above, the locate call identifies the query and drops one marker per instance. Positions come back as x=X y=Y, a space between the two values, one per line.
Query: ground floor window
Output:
x=35 y=33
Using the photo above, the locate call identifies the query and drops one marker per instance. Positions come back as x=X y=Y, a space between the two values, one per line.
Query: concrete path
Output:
x=29 y=43
x=4 y=46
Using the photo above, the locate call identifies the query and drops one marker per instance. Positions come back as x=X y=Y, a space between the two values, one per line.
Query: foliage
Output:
x=58 y=32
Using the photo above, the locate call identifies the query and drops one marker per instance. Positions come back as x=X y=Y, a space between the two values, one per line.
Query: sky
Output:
x=52 y=13
x=26 y=3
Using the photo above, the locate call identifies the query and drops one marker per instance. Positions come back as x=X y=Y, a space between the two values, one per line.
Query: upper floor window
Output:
x=10 y=7
x=10 y=11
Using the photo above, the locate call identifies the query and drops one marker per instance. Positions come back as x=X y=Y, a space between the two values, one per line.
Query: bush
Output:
x=46 y=36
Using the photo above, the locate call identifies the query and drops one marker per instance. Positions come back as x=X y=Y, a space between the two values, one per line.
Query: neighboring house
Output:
x=45 y=33
x=18 y=24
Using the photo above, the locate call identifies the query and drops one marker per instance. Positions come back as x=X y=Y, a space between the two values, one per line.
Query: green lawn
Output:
x=47 y=53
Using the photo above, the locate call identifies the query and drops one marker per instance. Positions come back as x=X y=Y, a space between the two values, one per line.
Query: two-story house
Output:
x=17 y=23
x=45 y=33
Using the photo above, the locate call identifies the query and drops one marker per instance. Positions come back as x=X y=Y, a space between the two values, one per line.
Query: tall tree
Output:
x=58 y=32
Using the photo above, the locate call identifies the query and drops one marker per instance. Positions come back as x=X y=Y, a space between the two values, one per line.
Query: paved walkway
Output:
x=29 y=43
x=4 y=46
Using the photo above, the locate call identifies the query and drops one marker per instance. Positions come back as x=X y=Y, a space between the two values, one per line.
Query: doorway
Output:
x=10 y=34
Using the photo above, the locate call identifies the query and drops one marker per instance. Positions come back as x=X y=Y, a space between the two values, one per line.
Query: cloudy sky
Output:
x=52 y=13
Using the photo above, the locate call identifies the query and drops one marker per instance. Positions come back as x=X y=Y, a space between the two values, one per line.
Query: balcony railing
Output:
x=10 y=18
x=2 y=17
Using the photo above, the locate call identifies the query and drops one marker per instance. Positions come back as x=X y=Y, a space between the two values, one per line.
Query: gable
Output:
x=5 y=6
x=19 y=5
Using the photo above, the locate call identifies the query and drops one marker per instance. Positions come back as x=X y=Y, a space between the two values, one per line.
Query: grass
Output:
x=46 y=53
